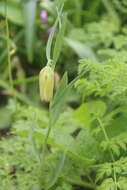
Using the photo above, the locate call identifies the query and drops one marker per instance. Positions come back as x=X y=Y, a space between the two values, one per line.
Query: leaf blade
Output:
x=29 y=9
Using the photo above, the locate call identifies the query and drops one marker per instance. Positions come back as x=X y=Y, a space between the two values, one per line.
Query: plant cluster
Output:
x=79 y=139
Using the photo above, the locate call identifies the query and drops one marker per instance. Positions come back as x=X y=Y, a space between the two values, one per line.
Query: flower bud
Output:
x=46 y=83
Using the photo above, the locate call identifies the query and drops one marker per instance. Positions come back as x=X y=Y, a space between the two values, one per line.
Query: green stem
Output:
x=8 y=52
x=8 y=46
x=77 y=15
x=47 y=135
x=110 y=151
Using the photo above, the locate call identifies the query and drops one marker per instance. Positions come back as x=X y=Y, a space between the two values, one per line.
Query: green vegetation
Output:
x=76 y=138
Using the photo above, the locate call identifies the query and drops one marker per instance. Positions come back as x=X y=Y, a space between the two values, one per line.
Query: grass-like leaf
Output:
x=29 y=18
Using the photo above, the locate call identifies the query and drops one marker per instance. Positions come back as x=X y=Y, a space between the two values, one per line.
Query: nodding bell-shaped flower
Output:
x=46 y=83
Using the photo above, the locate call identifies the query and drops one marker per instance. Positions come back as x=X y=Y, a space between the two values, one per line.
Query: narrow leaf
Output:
x=82 y=50
x=56 y=106
x=59 y=40
x=57 y=170
x=50 y=39
x=60 y=98
x=29 y=18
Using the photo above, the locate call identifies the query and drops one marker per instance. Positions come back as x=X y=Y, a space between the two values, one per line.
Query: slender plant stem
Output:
x=8 y=46
x=8 y=52
x=110 y=151
x=78 y=5
x=47 y=135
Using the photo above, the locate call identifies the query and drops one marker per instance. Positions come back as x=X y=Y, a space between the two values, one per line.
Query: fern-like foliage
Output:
x=106 y=171
x=109 y=184
x=106 y=79
x=116 y=144
x=101 y=32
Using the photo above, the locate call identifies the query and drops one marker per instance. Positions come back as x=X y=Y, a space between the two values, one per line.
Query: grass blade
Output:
x=59 y=39
x=29 y=18
x=57 y=170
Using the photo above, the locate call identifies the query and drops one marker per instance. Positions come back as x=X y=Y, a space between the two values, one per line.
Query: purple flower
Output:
x=44 y=16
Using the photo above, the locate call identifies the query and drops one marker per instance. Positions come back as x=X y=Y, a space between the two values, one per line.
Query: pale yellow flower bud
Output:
x=46 y=83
